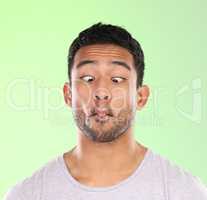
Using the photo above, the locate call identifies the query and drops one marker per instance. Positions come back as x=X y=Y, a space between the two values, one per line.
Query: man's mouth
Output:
x=102 y=118
x=102 y=114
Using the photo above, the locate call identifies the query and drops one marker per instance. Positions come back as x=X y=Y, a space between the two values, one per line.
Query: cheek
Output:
x=133 y=92
x=123 y=98
x=120 y=98
x=81 y=95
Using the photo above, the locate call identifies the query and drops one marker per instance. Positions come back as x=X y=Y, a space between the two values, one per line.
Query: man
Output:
x=106 y=69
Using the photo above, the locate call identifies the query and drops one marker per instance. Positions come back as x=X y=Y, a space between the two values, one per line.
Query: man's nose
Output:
x=102 y=94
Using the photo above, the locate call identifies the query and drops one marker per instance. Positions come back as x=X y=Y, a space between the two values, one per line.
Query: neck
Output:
x=94 y=159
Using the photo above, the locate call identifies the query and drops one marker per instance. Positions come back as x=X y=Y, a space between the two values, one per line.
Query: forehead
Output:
x=103 y=52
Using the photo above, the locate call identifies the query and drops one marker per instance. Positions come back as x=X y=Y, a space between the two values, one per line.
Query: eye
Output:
x=117 y=79
x=87 y=78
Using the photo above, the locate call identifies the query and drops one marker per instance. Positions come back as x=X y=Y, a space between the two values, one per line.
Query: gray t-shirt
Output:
x=156 y=178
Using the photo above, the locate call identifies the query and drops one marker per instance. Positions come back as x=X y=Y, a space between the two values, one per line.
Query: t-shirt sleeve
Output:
x=199 y=189
x=182 y=185
x=12 y=194
x=191 y=188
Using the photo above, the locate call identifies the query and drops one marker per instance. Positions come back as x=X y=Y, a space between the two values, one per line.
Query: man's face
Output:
x=103 y=93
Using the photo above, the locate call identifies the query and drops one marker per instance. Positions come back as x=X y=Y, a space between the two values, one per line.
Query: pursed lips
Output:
x=102 y=113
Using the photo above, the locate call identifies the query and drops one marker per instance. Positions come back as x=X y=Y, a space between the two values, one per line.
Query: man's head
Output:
x=109 y=34
x=105 y=70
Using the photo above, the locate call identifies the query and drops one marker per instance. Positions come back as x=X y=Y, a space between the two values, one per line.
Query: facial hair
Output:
x=106 y=131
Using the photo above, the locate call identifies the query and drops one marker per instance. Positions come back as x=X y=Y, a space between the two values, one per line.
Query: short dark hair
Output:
x=100 y=33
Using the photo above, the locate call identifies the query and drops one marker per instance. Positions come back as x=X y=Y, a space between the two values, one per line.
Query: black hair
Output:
x=100 y=33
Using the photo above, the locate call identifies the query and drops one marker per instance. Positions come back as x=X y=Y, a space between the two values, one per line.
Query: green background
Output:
x=36 y=126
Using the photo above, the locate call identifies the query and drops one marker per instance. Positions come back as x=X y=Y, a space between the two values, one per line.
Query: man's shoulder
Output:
x=179 y=183
x=31 y=186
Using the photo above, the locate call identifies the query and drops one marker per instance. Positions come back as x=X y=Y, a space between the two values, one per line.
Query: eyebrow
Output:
x=85 y=62
x=120 y=63
x=123 y=64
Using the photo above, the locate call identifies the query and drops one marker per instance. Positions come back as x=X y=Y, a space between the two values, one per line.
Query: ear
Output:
x=67 y=94
x=142 y=96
